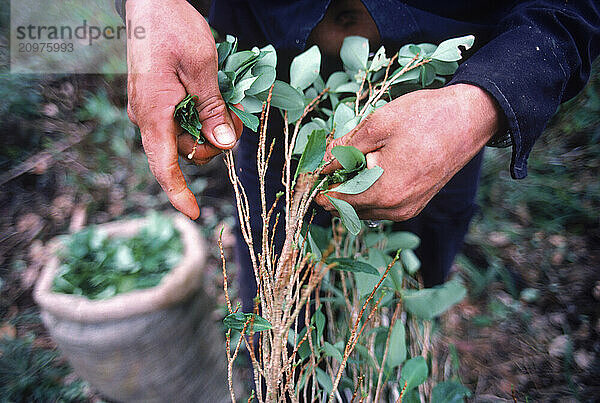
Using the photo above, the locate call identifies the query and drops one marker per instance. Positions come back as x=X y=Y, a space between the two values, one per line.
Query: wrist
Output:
x=486 y=108
x=483 y=117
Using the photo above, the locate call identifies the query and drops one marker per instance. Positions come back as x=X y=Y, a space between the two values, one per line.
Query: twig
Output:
x=354 y=335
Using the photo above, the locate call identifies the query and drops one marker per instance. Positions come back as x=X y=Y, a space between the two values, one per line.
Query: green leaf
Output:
x=353 y=265
x=379 y=60
x=414 y=49
x=350 y=157
x=365 y=283
x=351 y=86
x=305 y=68
x=427 y=75
x=411 y=396
x=237 y=61
x=304 y=349
x=240 y=88
x=248 y=119
x=407 y=53
x=355 y=53
x=319 y=84
x=265 y=78
x=411 y=75
x=332 y=352
x=347 y=214
x=295 y=114
x=223 y=50
x=226 y=84
x=449 y=392
x=236 y=321
x=314 y=248
x=397 y=349
x=303 y=134
x=336 y=79
x=313 y=152
x=187 y=116
x=321 y=235
x=319 y=320
x=448 y=50
x=444 y=68
x=410 y=261
x=252 y=104
x=401 y=240
x=427 y=49
x=414 y=372
x=324 y=380
x=431 y=302
x=347 y=128
x=361 y=182
x=269 y=58
x=343 y=114
x=286 y=97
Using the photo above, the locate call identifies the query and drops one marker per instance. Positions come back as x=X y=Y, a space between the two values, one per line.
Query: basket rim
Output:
x=176 y=286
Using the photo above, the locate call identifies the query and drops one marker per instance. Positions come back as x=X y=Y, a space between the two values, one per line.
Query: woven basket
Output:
x=152 y=345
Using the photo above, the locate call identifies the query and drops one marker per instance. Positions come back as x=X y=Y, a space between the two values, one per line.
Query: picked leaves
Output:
x=98 y=267
x=359 y=183
x=350 y=157
x=187 y=116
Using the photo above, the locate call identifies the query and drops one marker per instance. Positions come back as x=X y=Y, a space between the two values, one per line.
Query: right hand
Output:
x=177 y=56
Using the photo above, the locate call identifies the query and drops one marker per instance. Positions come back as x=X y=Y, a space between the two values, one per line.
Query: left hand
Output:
x=421 y=140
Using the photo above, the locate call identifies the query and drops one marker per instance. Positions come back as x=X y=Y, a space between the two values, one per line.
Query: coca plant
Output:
x=366 y=332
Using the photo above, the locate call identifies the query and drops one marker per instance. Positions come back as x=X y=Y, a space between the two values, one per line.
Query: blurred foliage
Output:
x=19 y=102
x=562 y=191
x=97 y=267
x=32 y=374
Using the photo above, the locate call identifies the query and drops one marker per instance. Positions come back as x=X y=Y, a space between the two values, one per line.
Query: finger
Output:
x=203 y=154
x=217 y=124
x=159 y=132
x=237 y=122
x=362 y=137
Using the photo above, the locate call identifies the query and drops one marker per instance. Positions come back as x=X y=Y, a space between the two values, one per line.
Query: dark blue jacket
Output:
x=529 y=55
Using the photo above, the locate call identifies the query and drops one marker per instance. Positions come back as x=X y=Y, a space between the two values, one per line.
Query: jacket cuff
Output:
x=120 y=8
x=520 y=69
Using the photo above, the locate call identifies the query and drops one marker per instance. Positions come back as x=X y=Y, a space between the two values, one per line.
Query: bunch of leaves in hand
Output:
x=245 y=78
x=97 y=267
x=366 y=84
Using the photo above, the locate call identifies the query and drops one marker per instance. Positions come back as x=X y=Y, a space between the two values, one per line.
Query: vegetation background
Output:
x=529 y=331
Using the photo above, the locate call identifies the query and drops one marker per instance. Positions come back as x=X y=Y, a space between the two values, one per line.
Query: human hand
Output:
x=177 y=56
x=420 y=140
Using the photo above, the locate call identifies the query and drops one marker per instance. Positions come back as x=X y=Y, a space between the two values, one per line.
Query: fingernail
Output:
x=224 y=135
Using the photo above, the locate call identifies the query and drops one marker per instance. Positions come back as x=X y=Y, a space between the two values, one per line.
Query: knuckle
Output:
x=212 y=107
x=131 y=114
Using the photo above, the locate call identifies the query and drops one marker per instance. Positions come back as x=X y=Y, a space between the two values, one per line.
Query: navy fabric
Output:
x=529 y=55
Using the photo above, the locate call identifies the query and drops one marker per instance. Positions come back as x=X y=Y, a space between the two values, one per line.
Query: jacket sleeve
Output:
x=539 y=57
x=120 y=8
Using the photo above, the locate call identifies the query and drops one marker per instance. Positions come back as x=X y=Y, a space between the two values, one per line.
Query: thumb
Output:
x=361 y=137
x=217 y=124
